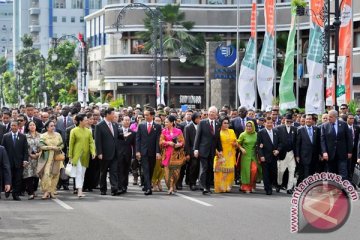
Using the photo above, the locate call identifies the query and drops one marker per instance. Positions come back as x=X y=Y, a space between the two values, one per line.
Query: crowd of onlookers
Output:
x=204 y=149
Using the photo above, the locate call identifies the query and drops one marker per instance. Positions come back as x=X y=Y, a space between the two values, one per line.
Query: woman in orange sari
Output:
x=173 y=155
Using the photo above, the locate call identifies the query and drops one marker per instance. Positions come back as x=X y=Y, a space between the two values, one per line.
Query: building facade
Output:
x=127 y=72
x=6 y=29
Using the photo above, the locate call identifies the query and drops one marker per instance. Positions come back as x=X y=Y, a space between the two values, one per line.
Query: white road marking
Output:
x=194 y=200
x=61 y=203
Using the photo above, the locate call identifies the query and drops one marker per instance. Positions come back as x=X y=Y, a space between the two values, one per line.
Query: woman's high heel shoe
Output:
x=45 y=196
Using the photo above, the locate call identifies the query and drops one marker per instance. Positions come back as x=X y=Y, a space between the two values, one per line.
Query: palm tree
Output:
x=176 y=37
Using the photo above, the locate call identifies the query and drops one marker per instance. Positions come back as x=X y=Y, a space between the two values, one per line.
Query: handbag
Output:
x=59 y=156
x=70 y=170
x=356 y=175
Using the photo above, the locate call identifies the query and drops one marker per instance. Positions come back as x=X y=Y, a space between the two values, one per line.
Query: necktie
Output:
x=149 y=128
x=243 y=123
x=111 y=128
x=64 y=122
x=333 y=129
x=212 y=127
x=14 y=138
x=310 y=134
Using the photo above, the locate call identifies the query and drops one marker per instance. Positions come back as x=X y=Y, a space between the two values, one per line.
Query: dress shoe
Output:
x=90 y=190
x=31 y=197
x=143 y=189
x=114 y=193
x=66 y=188
x=103 y=193
x=16 y=198
x=289 y=191
x=205 y=192
x=75 y=191
x=277 y=188
x=193 y=188
x=148 y=192
x=269 y=193
x=7 y=194
x=179 y=187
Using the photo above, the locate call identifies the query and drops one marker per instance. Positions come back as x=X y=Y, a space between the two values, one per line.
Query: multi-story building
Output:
x=128 y=72
x=47 y=19
x=6 y=28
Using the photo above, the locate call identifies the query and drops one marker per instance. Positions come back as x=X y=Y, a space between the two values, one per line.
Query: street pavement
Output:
x=187 y=215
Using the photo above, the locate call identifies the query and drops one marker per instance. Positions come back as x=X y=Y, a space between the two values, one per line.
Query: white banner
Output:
x=314 y=96
x=341 y=76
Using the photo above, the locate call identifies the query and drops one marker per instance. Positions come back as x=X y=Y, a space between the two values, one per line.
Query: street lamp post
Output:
x=156 y=17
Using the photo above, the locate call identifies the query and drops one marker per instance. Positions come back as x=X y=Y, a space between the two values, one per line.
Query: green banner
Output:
x=286 y=88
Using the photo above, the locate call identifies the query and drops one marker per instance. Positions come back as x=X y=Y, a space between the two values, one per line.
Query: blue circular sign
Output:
x=225 y=55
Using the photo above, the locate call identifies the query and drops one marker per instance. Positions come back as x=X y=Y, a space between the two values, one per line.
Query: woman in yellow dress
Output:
x=224 y=165
x=48 y=169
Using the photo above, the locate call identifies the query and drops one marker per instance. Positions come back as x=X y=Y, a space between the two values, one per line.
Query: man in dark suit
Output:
x=5 y=170
x=268 y=149
x=64 y=121
x=287 y=146
x=194 y=164
x=354 y=131
x=30 y=117
x=336 y=145
x=107 y=142
x=307 y=148
x=207 y=140
x=147 y=147
x=6 y=118
x=126 y=146
x=16 y=147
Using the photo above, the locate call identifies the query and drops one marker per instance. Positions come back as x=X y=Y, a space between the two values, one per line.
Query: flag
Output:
x=343 y=93
x=246 y=86
x=314 y=102
x=286 y=88
x=265 y=69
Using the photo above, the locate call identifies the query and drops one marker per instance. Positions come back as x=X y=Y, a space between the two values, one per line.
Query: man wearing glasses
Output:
x=22 y=121
x=344 y=109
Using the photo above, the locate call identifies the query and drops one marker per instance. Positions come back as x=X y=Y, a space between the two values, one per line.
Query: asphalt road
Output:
x=187 y=215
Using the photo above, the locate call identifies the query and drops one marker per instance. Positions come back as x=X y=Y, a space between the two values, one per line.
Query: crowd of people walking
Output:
x=204 y=149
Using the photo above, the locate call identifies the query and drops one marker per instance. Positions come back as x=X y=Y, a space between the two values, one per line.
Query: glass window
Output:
x=72 y=19
x=95 y=4
x=77 y=3
x=137 y=47
x=141 y=1
x=81 y=19
x=54 y=18
x=165 y=1
x=190 y=1
x=59 y=4
x=216 y=2
x=63 y=19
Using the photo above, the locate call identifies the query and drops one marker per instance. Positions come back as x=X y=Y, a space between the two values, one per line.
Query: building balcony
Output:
x=34 y=11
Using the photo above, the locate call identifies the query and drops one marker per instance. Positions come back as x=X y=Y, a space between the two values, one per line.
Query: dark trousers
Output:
x=339 y=167
x=92 y=174
x=206 y=175
x=16 y=176
x=305 y=170
x=269 y=174
x=110 y=165
x=64 y=183
x=123 y=171
x=148 y=164
x=31 y=183
x=351 y=166
x=135 y=168
x=183 y=171
x=194 y=168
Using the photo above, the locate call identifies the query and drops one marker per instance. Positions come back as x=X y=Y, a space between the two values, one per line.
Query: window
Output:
x=54 y=18
x=81 y=19
x=59 y=3
x=72 y=19
x=63 y=19
x=137 y=47
x=95 y=4
x=77 y=4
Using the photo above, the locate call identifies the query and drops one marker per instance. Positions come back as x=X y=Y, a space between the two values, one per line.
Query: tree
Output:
x=176 y=37
x=61 y=73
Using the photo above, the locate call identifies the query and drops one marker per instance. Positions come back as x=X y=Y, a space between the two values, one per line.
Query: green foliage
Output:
x=353 y=105
x=10 y=92
x=27 y=41
x=298 y=3
x=119 y=102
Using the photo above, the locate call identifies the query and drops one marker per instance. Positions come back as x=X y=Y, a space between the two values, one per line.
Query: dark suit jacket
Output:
x=308 y=151
x=67 y=137
x=126 y=144
x=206 y=142
x=189 y=135
x=236 y=124
x=265 y=146
x=17 y=154
x=2 y=132
x=182 y=126
x=287 y=141
x=106 y=143
x=339 y=145
x=148 y=143
x=5 y=169
x=60 y=125
x=355 y=141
